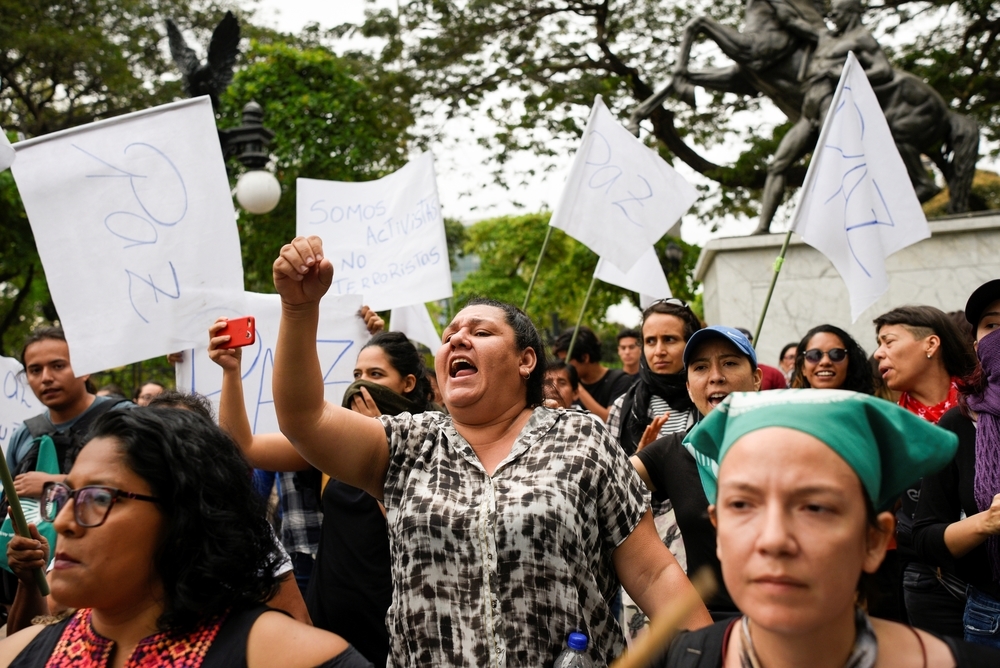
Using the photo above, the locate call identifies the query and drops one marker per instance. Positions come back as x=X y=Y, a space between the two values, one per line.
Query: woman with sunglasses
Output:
x=923 y=355
x=830 y=359
x=165 y=552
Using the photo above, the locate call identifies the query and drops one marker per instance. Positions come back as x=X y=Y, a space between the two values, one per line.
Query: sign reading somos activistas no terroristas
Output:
x=385 y=238
x=136 y=230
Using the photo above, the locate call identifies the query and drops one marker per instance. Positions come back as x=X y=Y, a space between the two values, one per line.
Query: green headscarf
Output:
x=888 y=447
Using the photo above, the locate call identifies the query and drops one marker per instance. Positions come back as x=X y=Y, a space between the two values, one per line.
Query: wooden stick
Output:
x=534 y=274
x=780 y=260
x=579 y=321
x=20 y=524
x=664 y=626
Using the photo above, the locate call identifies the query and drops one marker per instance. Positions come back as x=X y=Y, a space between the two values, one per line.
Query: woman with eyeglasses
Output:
x=165 y=552
x=830 y=359
x=923 y=355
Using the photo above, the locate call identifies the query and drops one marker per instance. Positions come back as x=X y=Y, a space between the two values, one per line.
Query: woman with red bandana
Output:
x=922 y=355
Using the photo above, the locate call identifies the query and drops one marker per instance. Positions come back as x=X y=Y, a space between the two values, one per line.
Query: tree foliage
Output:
x=534 y=66
x=508 y=249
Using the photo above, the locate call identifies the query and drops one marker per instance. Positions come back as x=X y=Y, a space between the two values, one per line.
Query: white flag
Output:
x=646 y=277
x=6 y=151
x=416 y=323
x=620 y=196
x=858 y=206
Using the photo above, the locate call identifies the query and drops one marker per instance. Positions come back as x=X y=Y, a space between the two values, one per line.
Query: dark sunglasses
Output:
x=815 y=355
x=91 y=504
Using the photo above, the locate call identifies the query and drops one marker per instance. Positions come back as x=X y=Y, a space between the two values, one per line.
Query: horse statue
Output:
x=787 y=52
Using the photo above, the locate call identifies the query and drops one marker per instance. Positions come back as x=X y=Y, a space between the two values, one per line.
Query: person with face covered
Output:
x=800 y=482
x=718 y=361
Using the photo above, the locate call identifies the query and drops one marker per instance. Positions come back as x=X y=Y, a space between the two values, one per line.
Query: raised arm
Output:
x=345 y=445
x=271 y=452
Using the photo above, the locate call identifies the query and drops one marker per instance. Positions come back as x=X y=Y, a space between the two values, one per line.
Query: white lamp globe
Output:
x=258 y=191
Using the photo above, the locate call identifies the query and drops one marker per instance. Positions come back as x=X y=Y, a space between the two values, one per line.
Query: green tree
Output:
x=330 y=122
x=508 y=248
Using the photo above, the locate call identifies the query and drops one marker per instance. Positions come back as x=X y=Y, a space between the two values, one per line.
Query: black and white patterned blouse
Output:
x=496 y=571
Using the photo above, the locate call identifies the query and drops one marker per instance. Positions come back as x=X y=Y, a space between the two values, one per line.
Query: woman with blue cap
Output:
x=800 y=481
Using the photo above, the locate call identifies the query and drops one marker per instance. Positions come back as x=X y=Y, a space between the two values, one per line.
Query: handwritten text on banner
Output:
x=135 y=226
x=385 y=238
x=17 y=402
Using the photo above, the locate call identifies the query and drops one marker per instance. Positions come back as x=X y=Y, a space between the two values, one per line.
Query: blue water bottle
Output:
x=575 y=654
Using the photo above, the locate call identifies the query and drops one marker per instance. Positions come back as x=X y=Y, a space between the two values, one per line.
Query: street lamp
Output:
x=257 y=190
x=674 y=255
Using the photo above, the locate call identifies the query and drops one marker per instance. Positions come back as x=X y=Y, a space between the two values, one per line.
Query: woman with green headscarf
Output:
x=800 y=482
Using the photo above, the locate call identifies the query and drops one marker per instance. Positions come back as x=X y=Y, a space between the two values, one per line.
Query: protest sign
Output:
x=415 y=321
x=385 y=238
x=620 y=196
x=7 y=153
x=17 y=403
x=136 y=230
x=646 y=277
x=340 y=336
x=858 y=205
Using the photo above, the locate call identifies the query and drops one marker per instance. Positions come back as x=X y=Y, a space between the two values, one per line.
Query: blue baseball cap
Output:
x=734 y=336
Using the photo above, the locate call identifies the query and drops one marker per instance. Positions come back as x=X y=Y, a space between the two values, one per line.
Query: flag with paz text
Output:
x=620 y=196
x=858 y=206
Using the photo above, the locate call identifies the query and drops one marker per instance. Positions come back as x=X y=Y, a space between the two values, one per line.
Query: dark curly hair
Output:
x=50 y=334
x=217 y=551
x=586 y=343
x=859 y=371
x=191 y=401
x=525 y=336
x=407 y=361
x=921 y=321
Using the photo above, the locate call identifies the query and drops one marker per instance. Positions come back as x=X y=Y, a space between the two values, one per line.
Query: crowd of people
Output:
x=478 y=512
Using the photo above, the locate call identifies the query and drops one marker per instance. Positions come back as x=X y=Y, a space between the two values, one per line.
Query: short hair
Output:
x=194 y=402
x=525 y=336
x=786 y=348
x=558 y=365
x=859 y=371
x=922 y=321
x=42 y=334
x=678 y=309
x=112 y=389
x=586 y=343
x=405 y=359
x=217 y=550
x=138 y=389
x=630 y=333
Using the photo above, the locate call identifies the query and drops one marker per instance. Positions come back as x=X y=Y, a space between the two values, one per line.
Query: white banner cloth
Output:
x=17 y=403
x=415 y=321
x=620 y=196
x=646 y=277
x=7 y=153
x=136 y=230
x=385 y=238
x=858 y=206
x=340 y=336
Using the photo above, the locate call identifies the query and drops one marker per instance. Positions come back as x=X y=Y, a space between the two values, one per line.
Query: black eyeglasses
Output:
x=91 y=504
x=815 y=355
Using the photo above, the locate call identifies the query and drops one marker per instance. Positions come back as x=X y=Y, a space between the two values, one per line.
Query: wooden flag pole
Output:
x=534 y=274
x=780 y=260
x=579 y=321
x=20 y=524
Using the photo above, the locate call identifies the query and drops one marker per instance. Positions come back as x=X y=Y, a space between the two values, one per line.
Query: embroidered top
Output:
x=497 y=570
x=80 y=646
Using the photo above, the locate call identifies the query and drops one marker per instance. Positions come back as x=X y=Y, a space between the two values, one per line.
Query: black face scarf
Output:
x=671 y=387
x=389 y=402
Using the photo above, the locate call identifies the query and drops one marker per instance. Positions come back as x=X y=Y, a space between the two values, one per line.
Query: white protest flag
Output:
x=645 y=277
x=7 y=153
x=17 y=403
x=415 y=321
x=385 y=237
x=340 y=336
x=620 y=196
x=857 y=205
x=136 y=230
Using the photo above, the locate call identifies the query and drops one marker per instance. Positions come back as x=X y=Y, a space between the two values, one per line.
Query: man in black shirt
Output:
x=599 y=385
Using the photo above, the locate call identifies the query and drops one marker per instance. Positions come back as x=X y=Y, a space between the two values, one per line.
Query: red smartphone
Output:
x=241 y=332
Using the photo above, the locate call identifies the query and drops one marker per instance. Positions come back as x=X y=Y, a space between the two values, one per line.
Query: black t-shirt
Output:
x=611 y=386
x=943 y=497
x=674 y=473
x=351 y=586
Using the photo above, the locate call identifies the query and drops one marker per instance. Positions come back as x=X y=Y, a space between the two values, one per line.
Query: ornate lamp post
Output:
x=257 y=190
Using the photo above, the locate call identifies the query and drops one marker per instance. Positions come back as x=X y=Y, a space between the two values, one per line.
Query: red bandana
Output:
x=931 y=413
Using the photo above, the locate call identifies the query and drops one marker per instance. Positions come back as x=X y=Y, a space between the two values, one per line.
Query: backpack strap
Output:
x=39 y=425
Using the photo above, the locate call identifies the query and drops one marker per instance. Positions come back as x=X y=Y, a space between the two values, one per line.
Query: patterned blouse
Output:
x=497 y=570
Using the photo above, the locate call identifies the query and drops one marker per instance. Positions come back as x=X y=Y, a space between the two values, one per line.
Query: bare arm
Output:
x=25 y=555
x=271 y=452
x=964 y=536
x=347 y=446
x=651 y=575
x=640 y=468
x=277 y=640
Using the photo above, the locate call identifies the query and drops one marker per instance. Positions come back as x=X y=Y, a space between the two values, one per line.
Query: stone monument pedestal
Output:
x=962 y=253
